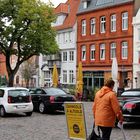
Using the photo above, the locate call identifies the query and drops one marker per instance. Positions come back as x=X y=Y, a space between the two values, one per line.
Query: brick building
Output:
x=105 y=31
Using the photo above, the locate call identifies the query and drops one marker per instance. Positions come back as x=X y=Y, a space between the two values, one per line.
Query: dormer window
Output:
x=85 y=4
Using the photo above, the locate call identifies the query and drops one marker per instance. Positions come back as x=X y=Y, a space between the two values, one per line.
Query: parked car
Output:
x=49 y=99
x=15 y=100
x=131 y=110
x=130 y=105
x=129 y=94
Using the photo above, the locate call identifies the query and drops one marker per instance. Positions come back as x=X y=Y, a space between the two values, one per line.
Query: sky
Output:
x=55 y=2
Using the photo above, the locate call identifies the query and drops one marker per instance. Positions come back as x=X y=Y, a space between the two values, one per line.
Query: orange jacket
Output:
x=106 y=108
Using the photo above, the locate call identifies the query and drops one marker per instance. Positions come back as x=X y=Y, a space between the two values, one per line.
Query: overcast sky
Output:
x=55 y=2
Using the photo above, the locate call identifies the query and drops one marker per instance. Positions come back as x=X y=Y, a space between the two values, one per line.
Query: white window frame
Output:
x=125 y=21
x=64 y=76
x=83 y=27
x=64 y=56
x=85 y=4
x=71 y=76
x=113 y=23
x=93 y=26
x=102 y=51
x=124 y=50
x=71 y=56
x=103 y=24
x=83 y=53
x=92 y=52
x=112 y=50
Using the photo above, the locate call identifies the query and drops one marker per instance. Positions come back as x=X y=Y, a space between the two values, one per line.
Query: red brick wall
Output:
x=107 y=37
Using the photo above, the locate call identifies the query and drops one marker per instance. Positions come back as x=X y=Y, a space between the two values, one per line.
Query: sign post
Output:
x=75 y=118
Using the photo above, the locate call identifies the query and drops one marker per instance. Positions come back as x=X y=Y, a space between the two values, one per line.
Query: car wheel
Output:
x=28 y=113
x=2 y=112
x=42 y=108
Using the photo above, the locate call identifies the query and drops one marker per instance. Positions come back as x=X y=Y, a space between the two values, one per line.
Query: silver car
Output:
x=15 y=100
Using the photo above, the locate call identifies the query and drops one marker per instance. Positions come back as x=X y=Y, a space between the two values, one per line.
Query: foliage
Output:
x=26 y=23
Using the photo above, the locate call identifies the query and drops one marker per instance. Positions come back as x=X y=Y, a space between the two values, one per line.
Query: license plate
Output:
x=21 y=106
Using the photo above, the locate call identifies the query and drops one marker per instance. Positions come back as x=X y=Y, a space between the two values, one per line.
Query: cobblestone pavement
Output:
x=53 y=127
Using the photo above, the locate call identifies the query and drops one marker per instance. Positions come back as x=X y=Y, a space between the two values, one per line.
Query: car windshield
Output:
x=131 y=93
x=55 y=91
x=19 y=92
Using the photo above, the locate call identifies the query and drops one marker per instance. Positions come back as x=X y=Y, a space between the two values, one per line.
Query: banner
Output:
x=75 y=118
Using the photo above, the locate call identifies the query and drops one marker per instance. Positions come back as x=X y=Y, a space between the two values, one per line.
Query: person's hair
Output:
x=109 y=83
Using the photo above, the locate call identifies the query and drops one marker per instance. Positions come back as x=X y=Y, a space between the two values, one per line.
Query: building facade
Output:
x=66 y=29
x=105 y=31
x=136 y=51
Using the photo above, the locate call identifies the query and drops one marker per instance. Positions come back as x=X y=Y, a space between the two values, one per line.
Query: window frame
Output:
x=83 y=27
x=124 y=49
x=92 y=52
x=125 y=21
x=113 y=23
x=93 y=26
x=102 y=51
x=83 y=55
x=102 y=24
x=65 y=56
x=112 y=50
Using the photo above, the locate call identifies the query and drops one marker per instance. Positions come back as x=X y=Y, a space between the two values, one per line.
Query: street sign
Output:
x=75 y=118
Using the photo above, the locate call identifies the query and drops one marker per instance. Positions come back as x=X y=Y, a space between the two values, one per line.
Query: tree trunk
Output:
x=11 y=80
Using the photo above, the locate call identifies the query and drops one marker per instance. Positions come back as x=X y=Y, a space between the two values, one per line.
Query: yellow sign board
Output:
x=75 y=118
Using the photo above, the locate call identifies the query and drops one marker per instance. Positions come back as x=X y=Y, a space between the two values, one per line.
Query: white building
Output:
x=136 y=50
x=66 y=28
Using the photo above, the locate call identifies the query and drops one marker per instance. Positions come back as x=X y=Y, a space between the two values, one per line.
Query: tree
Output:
x=26 y=23
x=28 y=70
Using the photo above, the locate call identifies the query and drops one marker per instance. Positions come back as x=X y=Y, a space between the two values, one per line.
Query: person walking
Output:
x=106 y=108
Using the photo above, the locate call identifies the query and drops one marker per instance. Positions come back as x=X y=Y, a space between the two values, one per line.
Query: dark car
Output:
x=130 y=105
x=50 y=99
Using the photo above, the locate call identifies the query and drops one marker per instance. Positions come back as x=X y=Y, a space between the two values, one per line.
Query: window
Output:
x=83 y=52
x=113 y=23
x=125 y=21
x=103 y=24
x=92 y=52
x=71 y=55
x=64 y=76
x=92 y=22
x=83 y=27
x=102 y=51
x=113 y=50
x=85 y=4
x=64 y=56
x=47 y=74
x=1 y=93
x=124 y=50
x=71 y=76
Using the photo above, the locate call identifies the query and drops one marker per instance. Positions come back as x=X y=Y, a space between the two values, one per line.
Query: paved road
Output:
x=52 y=127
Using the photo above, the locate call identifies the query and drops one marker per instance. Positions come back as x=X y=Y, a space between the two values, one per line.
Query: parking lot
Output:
x=53 y=127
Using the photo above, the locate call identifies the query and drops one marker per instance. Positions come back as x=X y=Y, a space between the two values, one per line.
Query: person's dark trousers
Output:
x=106 y=132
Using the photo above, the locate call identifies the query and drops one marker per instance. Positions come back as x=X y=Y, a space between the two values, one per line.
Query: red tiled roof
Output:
x=71 y=16
x=61 y=8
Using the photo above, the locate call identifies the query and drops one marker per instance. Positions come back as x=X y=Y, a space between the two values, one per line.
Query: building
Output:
x=105 y=31
x=136 y=50
x=66 y=29
x=3 y=73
